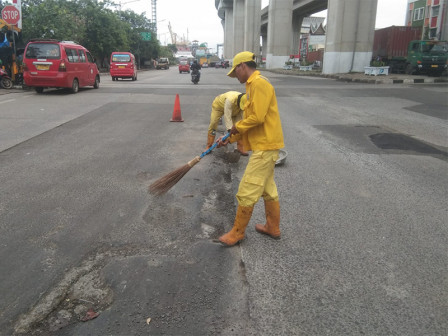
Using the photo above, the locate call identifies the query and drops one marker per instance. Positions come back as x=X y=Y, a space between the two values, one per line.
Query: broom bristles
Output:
x=165 y=183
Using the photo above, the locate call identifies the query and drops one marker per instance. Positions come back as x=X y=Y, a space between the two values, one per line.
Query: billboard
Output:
x=200 y=52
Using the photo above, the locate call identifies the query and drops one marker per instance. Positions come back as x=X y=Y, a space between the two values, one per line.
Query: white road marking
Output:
x=7 y=101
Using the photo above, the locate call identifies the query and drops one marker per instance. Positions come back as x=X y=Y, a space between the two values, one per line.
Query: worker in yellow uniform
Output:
x=261 y=132
x=229 y=106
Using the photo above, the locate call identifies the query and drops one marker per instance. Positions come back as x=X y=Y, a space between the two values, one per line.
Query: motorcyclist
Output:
x=195 y=67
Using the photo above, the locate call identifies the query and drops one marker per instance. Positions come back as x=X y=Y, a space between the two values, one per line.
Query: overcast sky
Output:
x=198 y=19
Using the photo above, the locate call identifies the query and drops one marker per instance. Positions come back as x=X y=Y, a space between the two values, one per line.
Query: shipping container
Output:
x=392 y=42
x=403 y=50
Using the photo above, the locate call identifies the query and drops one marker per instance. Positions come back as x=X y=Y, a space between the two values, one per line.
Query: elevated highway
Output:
x=350 y=30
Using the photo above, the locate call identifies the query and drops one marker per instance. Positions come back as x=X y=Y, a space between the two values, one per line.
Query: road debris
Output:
x=90 y=315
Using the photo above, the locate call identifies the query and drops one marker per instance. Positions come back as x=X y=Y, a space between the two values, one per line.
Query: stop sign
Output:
x=10 y=15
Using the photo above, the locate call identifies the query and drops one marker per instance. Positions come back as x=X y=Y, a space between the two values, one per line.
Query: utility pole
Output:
x=154 y=15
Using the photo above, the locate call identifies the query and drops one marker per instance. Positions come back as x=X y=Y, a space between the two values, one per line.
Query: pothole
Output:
x=80 y=296
x=87 y=297
x=402 y=142
x=371 y=139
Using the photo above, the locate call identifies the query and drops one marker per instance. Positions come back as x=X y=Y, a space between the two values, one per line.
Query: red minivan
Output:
x=122 y=65
x=58 y=64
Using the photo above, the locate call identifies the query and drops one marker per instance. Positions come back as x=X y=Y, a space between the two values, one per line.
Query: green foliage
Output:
x=306 y=63
x=105 y=32
x=97 y=25
x=143 y=50
x=167 y=52
x=49 y=19
x=377 y=64
x=173 y=48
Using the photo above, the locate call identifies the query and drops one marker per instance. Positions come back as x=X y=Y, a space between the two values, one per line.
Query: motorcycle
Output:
x=5 y=80
x=195 y=74
x=19 y=79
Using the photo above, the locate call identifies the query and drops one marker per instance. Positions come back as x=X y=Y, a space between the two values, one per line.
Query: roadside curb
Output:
x=365 y=79
x=387 y=80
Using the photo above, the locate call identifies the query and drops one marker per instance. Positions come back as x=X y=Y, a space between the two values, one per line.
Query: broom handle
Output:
x=214 y=145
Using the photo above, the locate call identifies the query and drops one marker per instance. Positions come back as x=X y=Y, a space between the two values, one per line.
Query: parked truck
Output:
x=402 y=49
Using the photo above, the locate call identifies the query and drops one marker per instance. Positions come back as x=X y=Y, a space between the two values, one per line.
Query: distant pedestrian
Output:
x=261 y=132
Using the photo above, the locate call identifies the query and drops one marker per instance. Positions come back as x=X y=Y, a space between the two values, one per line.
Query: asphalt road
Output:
x=363 y=213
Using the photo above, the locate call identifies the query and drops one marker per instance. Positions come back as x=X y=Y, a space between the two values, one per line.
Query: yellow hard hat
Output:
x=242 y=98
x=242 y=57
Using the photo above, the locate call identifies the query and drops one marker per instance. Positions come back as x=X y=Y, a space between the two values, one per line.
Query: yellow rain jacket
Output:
x=260 y=128
x=225 y=106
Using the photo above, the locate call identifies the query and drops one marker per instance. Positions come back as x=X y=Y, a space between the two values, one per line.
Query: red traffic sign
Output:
x=10 y=15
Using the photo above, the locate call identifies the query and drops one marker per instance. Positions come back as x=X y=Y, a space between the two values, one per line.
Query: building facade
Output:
x=430 y=15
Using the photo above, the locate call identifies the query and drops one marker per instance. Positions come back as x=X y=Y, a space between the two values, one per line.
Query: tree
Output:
x=166 y=52
x=173 y=48
x=91 y=23
x=105 y=32
x=143 y=50
x=50 y=19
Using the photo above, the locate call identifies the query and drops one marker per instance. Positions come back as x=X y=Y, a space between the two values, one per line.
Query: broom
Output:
x=165 y=183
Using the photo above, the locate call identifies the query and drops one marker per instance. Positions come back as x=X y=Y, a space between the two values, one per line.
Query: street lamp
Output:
x=155 y=24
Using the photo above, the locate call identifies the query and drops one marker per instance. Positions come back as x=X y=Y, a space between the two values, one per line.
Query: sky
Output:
x=198 y=19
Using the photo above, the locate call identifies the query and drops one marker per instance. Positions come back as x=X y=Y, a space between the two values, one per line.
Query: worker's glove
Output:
x=233 y=130
x=222 y=143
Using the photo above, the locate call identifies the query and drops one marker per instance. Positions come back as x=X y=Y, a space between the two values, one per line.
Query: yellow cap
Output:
x=242 y=57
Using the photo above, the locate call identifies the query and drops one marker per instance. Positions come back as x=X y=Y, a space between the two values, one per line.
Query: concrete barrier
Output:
x=376 y=71
x=306 y=67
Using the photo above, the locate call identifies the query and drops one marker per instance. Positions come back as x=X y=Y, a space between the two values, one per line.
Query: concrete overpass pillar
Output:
x=264 y=44
x=279 y=33
x=252 y=26
x=239 y=16
x=350 y=31
x=228 y=33
x=297 y=21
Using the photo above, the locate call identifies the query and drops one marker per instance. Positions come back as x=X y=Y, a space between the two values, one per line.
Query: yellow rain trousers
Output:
x=258 y=179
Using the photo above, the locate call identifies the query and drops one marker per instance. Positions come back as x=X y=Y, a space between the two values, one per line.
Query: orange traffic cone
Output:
x=176 y=112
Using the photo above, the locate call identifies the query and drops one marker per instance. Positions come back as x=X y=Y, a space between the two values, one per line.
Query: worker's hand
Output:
x=233 y=130
x=222 y=143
